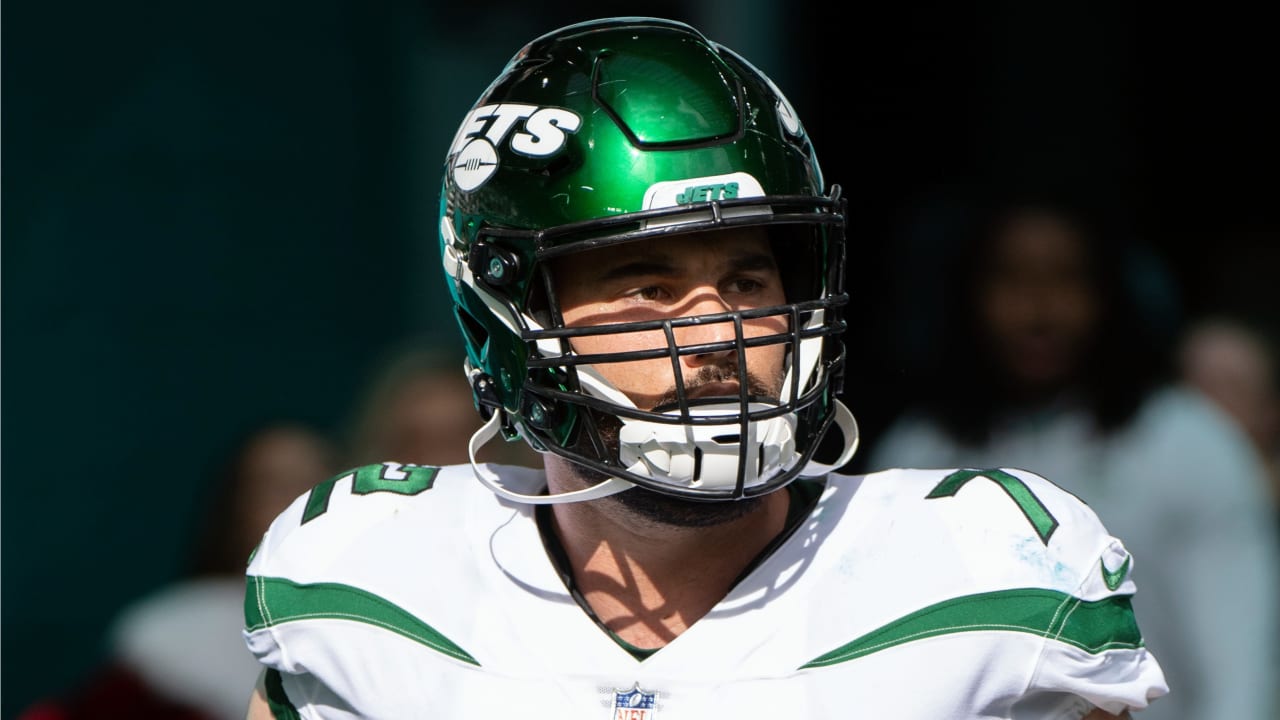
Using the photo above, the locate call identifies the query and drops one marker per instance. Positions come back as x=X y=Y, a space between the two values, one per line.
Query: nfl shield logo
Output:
x=633 y=704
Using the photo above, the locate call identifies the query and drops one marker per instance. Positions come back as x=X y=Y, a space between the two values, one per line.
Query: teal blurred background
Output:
x=220 y=214
x=215 y=215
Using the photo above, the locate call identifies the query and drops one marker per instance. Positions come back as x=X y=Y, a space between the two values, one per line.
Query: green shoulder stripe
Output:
x=1092 y=626
x=272 y=601
x=1036 y=513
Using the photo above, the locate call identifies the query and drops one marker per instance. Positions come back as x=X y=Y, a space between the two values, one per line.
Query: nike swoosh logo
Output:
x=1113 y=579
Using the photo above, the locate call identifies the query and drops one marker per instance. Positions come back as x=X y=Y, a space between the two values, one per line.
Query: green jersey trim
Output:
x=1091 y=625
x=273 y=601
x=277 y=699
x=1036 y=513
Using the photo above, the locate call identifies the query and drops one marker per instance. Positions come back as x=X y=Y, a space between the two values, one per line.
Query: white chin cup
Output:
x=669 y=453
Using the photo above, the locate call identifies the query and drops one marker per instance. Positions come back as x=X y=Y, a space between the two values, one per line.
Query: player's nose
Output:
x=716 y=338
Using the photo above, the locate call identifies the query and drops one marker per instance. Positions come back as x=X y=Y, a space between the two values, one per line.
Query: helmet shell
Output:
x=584 y=120
x=600 y=131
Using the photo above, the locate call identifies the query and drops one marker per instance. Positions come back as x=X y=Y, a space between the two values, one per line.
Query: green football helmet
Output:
x=617 y=130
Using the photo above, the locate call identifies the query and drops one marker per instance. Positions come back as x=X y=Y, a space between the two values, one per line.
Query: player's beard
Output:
x=653 y=506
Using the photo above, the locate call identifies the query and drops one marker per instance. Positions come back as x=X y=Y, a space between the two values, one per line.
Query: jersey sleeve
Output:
x=302 y=559
x=329 y=605
x=259 y=633
x=1093 y=648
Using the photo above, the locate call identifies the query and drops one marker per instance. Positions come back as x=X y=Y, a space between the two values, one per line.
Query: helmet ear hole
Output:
x=476 y=334
x=537 y=303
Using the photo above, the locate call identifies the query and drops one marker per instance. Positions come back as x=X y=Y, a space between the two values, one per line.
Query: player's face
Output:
x=674 y=277
x=1038 y=301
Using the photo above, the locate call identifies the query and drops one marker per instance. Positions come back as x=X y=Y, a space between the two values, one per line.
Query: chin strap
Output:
x=844 y=420
x=849 y=427
x=491 y=480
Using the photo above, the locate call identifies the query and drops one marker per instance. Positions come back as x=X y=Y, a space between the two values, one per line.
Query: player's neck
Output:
x=649 y=582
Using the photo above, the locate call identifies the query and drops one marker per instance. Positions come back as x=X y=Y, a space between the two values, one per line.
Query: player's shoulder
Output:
x=371 y=508
x=1009 y=521
x=1021 y=486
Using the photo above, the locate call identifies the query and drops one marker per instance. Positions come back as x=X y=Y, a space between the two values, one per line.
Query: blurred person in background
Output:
x=176 y=653
x=418 y=409
x=1235 y=363
x=1233 y=360
x=1051 y=356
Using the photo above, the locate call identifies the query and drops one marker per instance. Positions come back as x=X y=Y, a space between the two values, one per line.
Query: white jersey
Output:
x=413 y=592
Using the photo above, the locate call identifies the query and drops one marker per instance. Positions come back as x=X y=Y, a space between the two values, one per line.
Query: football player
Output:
x=647 y=269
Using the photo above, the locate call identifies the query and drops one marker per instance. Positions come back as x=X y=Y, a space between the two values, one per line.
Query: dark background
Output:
x=219 y=214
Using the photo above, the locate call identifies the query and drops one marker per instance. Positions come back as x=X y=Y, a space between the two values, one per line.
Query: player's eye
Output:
x=652 y=293
x=745 y=285
x=645 y=294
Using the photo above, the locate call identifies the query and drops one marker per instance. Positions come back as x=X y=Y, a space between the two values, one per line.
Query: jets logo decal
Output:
x=675 y=193
x=526 y=130
x=697 y=190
